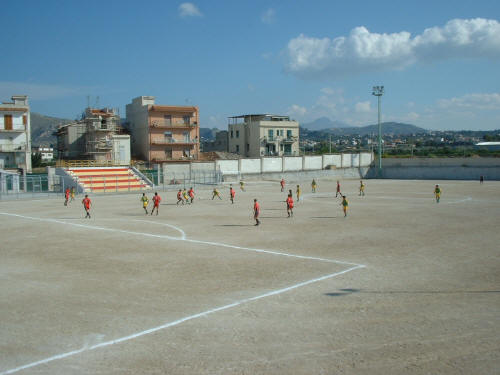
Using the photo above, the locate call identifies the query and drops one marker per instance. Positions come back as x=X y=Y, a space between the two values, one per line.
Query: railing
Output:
x=171 y=126
x=13 y=148
x=87 y=163
x=280 y=138
x=173 y=142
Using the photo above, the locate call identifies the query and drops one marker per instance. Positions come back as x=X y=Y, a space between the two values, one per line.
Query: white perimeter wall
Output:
x=292 y=163
x=272 y=165
x=313 y=162
x=227 y=166
x=250 y=166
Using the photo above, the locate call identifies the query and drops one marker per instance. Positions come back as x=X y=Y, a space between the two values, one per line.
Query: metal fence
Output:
x=42 y=186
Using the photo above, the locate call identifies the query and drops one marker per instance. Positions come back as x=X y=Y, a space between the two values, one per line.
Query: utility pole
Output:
x=378 y=91
x=330 y=142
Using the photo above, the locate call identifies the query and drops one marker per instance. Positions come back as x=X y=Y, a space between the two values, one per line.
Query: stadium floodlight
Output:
x=378 y=91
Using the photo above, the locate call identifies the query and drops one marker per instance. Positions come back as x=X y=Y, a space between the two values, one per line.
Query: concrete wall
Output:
x=332 y=160
x=203 y=167
x=312 y=162
x=227 y=166
x=292 y=163
x=439 y=169
x=366 y=158
x=250 y=166
x=271 y=164
x=355 y=160
x=346 y=160
x=176 y=169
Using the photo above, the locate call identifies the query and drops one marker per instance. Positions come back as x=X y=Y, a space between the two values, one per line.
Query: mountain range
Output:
x=44 y=127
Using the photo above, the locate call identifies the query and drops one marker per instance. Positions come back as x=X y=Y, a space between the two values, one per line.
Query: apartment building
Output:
x=47 y=153
x=97 y=136
x=15 y=134
x=263 y=135
x=163 y=133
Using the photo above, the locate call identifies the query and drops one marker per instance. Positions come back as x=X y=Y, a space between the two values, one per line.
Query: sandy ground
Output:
x=403 y=285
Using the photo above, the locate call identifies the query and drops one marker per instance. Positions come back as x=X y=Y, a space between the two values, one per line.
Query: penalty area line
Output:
x=176 y=322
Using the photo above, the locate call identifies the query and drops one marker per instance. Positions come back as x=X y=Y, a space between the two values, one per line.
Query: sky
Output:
x=439 y=61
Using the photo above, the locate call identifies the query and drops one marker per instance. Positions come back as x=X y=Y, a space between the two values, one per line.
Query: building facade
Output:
x=263 y=135
x=219 y=144
x=163 y=133
x=15 y=134
x=97 y=136
x=46 y=153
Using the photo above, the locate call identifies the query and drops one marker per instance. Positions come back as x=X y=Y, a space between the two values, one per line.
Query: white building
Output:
x=47 y=153
x=263 y=135
x=15 y=134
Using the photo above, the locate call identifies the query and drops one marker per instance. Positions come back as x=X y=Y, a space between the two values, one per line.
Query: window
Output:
x=270 y=134
x=7 y=122
x=248 y=147
x=237 y=133
x=289 y=134
x=186 y=137
x=187 y=120
x=231 y=134
x=167 y=119
x=237 y=148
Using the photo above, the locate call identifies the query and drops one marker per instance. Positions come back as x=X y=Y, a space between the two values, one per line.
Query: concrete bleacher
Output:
x=108 y=179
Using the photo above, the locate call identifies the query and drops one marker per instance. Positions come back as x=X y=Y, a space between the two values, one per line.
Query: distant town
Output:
x=158 y=133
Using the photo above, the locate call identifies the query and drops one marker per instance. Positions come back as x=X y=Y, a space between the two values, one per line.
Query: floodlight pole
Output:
x=378 y=91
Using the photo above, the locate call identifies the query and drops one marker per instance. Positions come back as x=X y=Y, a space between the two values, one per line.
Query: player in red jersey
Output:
x=66 y=196
x=86 y=205
x=289 y=205
x=232 y=193
x=156 y=203
x=282 y=183
x=179 y=197
x=338 y=189
x=191 y=194
x=256 y=211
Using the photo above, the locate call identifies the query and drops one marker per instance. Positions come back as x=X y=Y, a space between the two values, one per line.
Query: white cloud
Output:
x=268 y=16
x=296 y=110
x=471 y=101
x=363 y=51
x=189 y=10
x=362 y=107
x=37 y=91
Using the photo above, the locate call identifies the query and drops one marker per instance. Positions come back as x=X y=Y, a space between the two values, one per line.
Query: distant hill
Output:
x=324 y=123
x=394 y=128
x=43 y=127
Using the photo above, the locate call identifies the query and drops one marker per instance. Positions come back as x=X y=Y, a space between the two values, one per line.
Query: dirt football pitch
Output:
x=402 y=285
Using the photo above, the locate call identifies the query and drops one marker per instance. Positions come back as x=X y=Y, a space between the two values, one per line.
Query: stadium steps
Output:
x=106 y=179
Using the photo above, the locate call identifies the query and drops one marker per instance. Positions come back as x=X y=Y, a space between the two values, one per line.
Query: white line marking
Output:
x=183 y=238
x=176 y=322
x=191 y=317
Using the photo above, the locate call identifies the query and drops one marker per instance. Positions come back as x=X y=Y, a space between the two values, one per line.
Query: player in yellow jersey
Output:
x=437 y=193
x=361 y=188
x=313 y=185
x=345 y=205
x=298 y=193
x=145 y=202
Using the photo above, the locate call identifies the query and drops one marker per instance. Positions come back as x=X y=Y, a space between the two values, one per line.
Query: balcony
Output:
x=172 y=142
x=13 y=130
x=164 y=125
x=13 y=148
x=280 y=139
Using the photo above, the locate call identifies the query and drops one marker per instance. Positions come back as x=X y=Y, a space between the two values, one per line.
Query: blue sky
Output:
x=438 y=60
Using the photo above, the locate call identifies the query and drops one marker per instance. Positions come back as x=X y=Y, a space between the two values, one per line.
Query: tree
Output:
x=36 y=160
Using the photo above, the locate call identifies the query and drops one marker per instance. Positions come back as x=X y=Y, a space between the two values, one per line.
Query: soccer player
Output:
x=437 y=193
x=232 y=193
x=338 y=189
x=313 y=185
x=66 y=196
x=145 y=202
x=191 y=194
x=298 y=193
x=289 y=205
x=216 y=193
x=345 y=205
x=156 y=203
x=282 y=183
x=185 y=196
x=481 y=179
x=86 y=205
x=361 y=188
x=242 y=185
x=179 y=197
x=72 y=194
x=256 y=211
